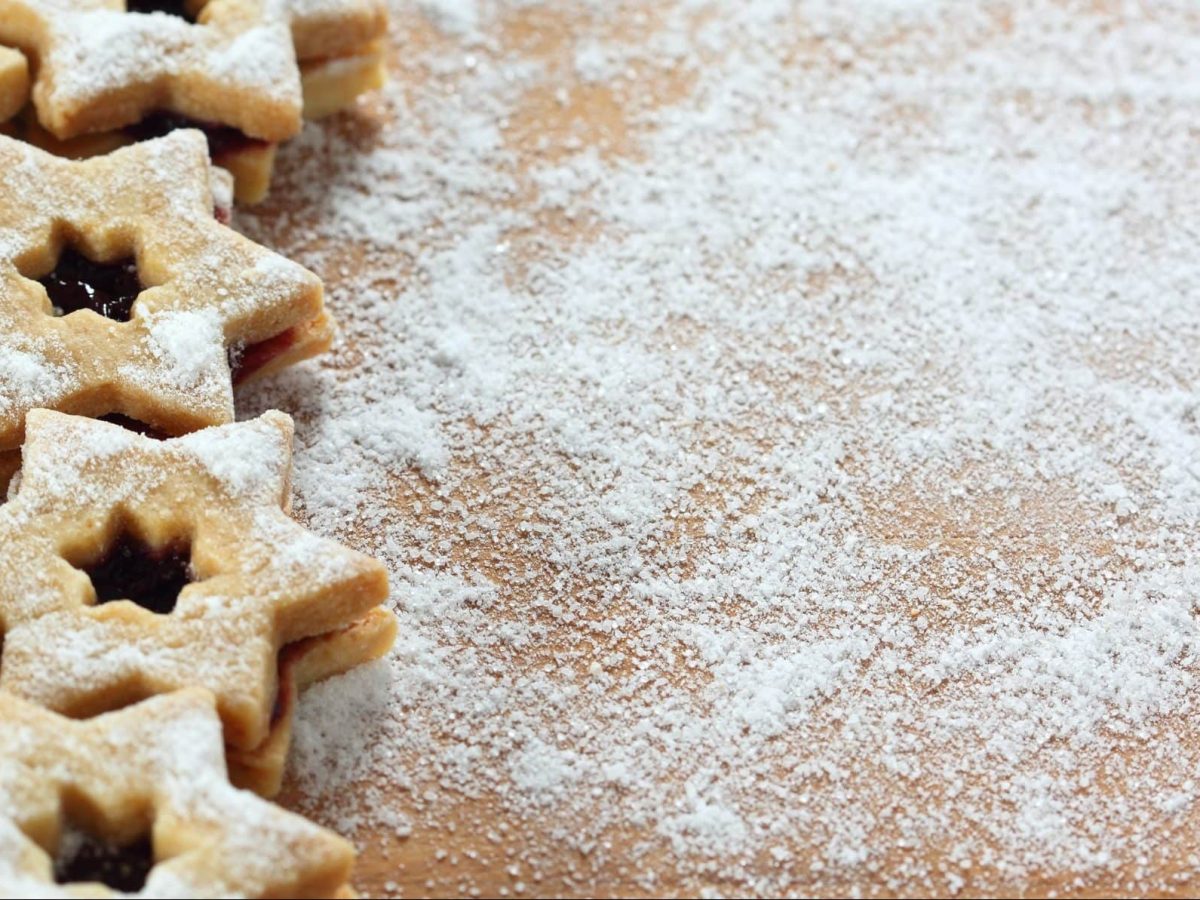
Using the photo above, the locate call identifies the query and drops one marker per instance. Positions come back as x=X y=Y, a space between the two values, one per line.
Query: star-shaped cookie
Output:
x=14 y=83
x=131 y=567
x=206 y=297
x=146 y=788
x=339 y=44
x=101 y=67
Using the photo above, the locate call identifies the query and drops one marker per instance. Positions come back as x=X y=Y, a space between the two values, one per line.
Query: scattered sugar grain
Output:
x=752 y=443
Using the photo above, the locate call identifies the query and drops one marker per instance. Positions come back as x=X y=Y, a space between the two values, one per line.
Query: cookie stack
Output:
x=245 y=72
x=159 y=608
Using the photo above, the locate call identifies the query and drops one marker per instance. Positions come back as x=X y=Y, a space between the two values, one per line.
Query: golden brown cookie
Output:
x=139 y=800
x=334 y=83
x=131 y=567
x=101 y=68
x=120 y=292
x=329 y=86
x=112 y=76
x=14 y=83
x=250 y=162
x=329 y=28
x=300 y=665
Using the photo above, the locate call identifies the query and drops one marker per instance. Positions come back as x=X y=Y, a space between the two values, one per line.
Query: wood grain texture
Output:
x=476 y=844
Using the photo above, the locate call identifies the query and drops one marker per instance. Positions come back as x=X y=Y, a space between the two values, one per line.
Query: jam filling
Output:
x=170 y=7
x=280 y=700
x=222 y=139
x=105 y=288
x=149 y=577
x=83 y=858
x=135 y=425
x=245 y=360
x=284 y=685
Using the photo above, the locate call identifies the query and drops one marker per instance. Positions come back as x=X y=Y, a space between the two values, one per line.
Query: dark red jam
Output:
x=170 y=7
x=285 y=686
x=151 y=578
x=280 y=700
x=222 y=140
x=135 y=425
x=105 y=288
x=246 y=360
x=84 y=858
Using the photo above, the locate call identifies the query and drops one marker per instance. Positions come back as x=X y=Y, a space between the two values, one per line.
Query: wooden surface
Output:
x=472 y=843
x=475 y=848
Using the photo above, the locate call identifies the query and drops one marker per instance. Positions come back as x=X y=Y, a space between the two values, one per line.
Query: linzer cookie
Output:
x=131 y=567
x=14 y=83
x=101 y=67
x=115 y=73
x=138 y=801
x=109 y=76
x=121 y=293
x=249 y=160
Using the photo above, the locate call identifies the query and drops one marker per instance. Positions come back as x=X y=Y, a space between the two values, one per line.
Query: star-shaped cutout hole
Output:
x=247 y=580
x=134 y=571
x=183 y=9
x=121 y=293
x=139 y=799
x=77 y=283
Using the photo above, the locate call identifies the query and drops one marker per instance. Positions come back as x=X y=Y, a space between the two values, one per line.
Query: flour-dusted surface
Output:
x=781 y=424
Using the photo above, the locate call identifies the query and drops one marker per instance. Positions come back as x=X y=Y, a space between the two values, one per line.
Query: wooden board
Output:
x=466 y=839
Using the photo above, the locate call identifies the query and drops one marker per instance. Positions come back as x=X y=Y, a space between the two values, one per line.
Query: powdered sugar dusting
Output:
x=29 y=379
x=189 y=346
x=805 y=495
x=822 y=512
x=171 y=747
x=257 y=467
x=259 y=53
x=208 y=287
